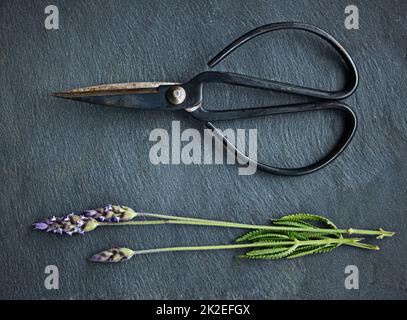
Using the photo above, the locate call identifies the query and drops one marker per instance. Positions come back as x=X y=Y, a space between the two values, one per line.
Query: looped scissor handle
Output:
x=347 y=136
x=248 y=81
x=195 y=88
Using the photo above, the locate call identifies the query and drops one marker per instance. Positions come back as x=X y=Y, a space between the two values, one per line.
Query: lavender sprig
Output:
x=116 y=215
x=267 y=249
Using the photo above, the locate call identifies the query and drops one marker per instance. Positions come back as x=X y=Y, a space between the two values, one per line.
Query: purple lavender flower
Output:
x=85 y=221
x=113 y=255
x=40 y=226
x=69 y=224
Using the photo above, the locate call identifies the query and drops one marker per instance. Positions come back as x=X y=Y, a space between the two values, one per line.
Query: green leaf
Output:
x=264 y=257
x=320 y=249
x=307 y=248
x=260 y=234
x=247 y=236
x=296 y=235
x=265 y=240
x=272 y=253
x=300 y=217
x=270 y=236
x=310 y=235
x=261 y=252
x=288 y=223
x=309 y=217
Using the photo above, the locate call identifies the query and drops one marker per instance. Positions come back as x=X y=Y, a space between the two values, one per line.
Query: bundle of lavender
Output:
x=290 y=236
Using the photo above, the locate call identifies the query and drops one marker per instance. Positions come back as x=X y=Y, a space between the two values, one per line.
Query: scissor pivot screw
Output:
x=176 y=95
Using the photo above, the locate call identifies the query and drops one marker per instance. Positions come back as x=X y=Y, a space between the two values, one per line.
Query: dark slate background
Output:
x=58 y=156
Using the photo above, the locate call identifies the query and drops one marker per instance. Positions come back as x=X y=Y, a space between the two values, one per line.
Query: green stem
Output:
x=363 y=246
x=194 y=221
x=347 y=241
x=132 y=223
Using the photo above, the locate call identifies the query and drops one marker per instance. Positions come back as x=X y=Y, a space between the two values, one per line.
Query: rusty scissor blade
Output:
x=140 y=95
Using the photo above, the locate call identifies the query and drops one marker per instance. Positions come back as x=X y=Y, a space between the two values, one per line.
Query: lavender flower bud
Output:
x=69 y=224
x=90 y=225
x=128 y=214
x=113 y=255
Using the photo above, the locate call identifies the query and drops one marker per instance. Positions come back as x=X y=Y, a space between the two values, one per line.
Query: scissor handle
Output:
x=253 y=82
x=350 y=128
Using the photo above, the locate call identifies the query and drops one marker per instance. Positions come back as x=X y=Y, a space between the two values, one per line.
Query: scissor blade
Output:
x=141 y=95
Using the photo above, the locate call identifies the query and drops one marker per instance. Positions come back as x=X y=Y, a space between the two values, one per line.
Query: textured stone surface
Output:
x=58 y=156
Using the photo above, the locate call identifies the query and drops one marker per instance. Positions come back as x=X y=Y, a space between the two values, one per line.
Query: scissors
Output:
x=187 y=96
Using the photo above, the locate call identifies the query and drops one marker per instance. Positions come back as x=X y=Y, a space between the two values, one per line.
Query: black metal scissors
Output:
x=188 y=96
